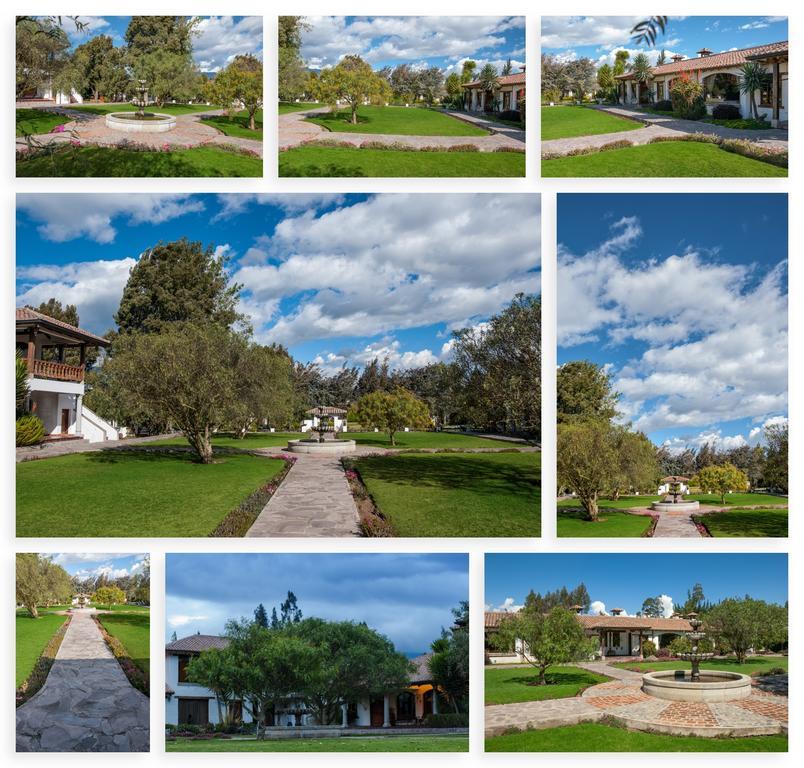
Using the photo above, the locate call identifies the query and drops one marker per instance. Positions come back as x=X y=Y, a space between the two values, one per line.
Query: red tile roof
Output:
x=196 y=644
x=515 y=79
x=493 y=619
x=422 y=672
x=716 y=60
x=27 y=316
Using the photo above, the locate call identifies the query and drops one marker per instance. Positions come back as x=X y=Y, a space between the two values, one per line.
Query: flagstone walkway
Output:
x=86 y=703
x=294 y=130
x=622 y=699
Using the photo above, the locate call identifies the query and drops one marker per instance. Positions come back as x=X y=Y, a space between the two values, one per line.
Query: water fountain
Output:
x=327 y=443
x=673 y=500
x=140 y=121
x=693 y=685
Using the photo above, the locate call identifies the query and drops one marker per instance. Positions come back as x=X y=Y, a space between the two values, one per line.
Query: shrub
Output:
x=665 y=105
x=448 y=720
x=726 y=112
x=30 y=430
x=662 y=653
x=648 y=649
x=508 y=148
x=549 y=96
x=464 y=148
x=776 y=671
x=511 y=114
x=687 y=98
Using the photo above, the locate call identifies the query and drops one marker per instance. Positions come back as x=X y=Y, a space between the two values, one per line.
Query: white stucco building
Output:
x=719 y=73
x=506 y=96
x=334 y=417
x=187 y=703
x=46 y=93
x=57 y=387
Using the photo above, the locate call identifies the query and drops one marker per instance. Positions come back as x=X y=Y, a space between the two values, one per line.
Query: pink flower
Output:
x=57 y=129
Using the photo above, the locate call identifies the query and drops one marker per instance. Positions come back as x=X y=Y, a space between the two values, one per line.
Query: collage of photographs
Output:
x=314 y=411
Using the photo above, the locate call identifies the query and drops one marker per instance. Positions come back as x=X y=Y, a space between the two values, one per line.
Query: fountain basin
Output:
x=714 y=686
x=669 y=506
x=130 y=122
x=327 y=448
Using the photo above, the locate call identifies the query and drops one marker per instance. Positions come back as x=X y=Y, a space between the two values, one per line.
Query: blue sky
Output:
x=683 y=298
x=336 y=278
x=442 y=41
x=407 y=597
x=219 y=38
x=625 y=580
x=94 y=564
x=599 y=37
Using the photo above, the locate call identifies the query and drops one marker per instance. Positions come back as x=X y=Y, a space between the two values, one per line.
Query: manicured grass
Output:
x=624 y=502
x=33 y=121
x=746 y=522
x=286 y=107
x=566 y=122
x=133 y=631
x=666 y=158
x=506 y=686
x=446 y=743
x=451 y=494
x=594 y=737
x=167 y=109
x=739 y=499
x=407 y=121
x=134 y=493
x=237 y=125
x=106 y=162
x=344 y=162
x=32 y=637
x=250 y=442
x=428 y=440
x=753 y=665
x=611 y=522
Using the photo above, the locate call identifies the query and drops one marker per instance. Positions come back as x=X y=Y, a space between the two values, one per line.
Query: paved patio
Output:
x=661 y=126
x=86 y=703
x=65 y=447
x=621 y=699
x=294 y=130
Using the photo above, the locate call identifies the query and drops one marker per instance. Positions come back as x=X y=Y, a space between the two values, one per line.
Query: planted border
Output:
x=137 y=677
x=34 y=682
x=372 y=522
x=242 y=517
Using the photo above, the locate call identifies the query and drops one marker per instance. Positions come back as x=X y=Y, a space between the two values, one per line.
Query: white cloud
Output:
x=182 y=620
x=597 y=607
x=667 y=605
x=235 y=204
x=221 y=38
x=64 y=217
x=568 y=31
x=509 y=605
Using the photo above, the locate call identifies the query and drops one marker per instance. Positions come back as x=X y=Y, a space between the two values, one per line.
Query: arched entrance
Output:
x=722 y=86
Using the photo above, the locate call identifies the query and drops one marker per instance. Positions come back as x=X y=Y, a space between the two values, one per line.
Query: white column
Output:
x=386 y=712
x=79 y=406
x=435 y=701
x=344 y=716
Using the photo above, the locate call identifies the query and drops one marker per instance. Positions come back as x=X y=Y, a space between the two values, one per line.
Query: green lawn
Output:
x=667 y=158
x=752 y=666
x=514 y=684
x=739 y=499
x=595 y=737
x=285 y=107
x=106 y=162
x=611 y=522
x=451 y=494
x=746 y=522
x=250 y=442
x=343 y=162
x=446 y=743
x=237 y=125
x=624 y=502
x=167 y=109
x=133 y=631
x=134 y=493
x=404 y=121
x=742 y=124
x=33 y=121
x=566 y=122
x=32 y=637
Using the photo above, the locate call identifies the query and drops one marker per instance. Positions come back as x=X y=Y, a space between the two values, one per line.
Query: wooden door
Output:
x=193 y=711
x=377 y=713
x=65 y=420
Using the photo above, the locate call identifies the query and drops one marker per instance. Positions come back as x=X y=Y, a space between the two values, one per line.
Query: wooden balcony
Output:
x=51 y=369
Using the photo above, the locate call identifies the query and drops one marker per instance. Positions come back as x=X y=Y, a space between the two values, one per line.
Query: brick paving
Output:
x=688 y=713
x=294 y=130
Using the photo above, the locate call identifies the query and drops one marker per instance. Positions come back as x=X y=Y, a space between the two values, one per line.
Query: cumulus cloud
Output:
x=568 y=31
x=182 y=620
x=714 y=351
x=221 y=38
x=667 y=605
x=509 y=605
x=236 y=204
x=62 y=217
x=402 y=38
x=597 y=608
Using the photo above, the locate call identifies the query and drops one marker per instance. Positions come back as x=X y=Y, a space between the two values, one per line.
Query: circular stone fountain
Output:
x=692 y=685
x=673 y=500
x=140 y=121
x=327 y=443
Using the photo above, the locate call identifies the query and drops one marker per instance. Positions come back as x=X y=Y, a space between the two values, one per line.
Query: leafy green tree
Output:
x=561 y=598
x=605 y=79
x=746 y=624
x=292 y=74
x=686 y=95
x=776 y=464
x=662 y=58
x=109 y=596
x=642 y=70
x=179 y=281
x=42 y=50
x=583 y=391
x=172 y=34
x=39 y=581
x=449 y=666
x=489 y=79
x=721 y=479
x=214 y=670
x=620 y=62
x=90 y=57
x=652 y=607
x=753 y=78
x=289 y=613
x=392 y=411
x=468 y=71
x=546 y=639
x=168 y=75
x=354 y=82
x=696 y=602
x=637 y=463
x=240 y=83
x=453 y=86
x=261 y=615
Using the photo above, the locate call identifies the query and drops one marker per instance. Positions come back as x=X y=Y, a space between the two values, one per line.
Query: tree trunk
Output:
x=354 y=114
x=590 y=505
x=391 y=435
x=542 y=678
x=251 y=124
x=201 y=444
x=32 y=609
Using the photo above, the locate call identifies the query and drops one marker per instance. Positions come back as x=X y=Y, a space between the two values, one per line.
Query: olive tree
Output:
x=721 y=479
x=352 y=81
x=392 y=411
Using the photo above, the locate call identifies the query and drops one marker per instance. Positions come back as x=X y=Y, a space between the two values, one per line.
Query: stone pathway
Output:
x=189 y=132
x=622 y=699
x=671 y=525
x=660 y=126
x=86 y=703
x=313 y=500
x=294 y=130
x=64 y=447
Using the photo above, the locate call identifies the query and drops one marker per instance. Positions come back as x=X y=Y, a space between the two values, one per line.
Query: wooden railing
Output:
x=50 y=369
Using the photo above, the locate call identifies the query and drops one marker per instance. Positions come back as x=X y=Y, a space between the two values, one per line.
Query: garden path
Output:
x=622 y=699
x=675 y=525
x=294 y=130
x=189 y=132
x=64 y=447
x=86 y=704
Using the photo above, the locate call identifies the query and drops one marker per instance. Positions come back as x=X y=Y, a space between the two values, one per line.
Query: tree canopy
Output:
x=353 y=82
x=392 y=411
x=40 y=582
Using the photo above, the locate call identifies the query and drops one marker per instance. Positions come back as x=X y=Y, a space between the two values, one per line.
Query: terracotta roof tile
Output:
x=196 y=643
x=27 y=315
x=515 y=79
x=493 y=619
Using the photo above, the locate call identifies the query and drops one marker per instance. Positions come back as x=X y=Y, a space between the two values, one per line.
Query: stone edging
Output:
x=34 y=682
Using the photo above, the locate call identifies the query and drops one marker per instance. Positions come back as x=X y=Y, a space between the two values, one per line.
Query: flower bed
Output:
x=372 y=523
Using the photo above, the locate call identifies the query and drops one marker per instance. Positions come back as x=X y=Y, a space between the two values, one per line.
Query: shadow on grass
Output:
x=181 y=454
x=580 y=679
x=321 y=171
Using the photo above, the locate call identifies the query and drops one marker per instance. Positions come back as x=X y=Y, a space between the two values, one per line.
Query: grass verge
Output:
x=446 y=743
x=610 y=523
x=401 y=121
x=516 y=684
x=38 y=642
x=568 y=122
x=137 y=671
x=760 y=523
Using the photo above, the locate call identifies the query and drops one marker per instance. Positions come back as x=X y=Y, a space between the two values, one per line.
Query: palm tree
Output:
x=21 y=382
x=488 y=79
x=648 y=30
x=753 y=78
x=662 y=58
x=507 y=68
x=642 y=70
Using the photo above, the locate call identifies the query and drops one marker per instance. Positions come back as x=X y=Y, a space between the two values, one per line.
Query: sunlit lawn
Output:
x=237 y=125
x=753 y=665
x=611 y=522
x=32 y=635
x=32 y=121
x=166 y=109
x=407 y=121
x=514 y=684
x=746 y=522
x=133 y=631
x=285 y=107
x=568 y=121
